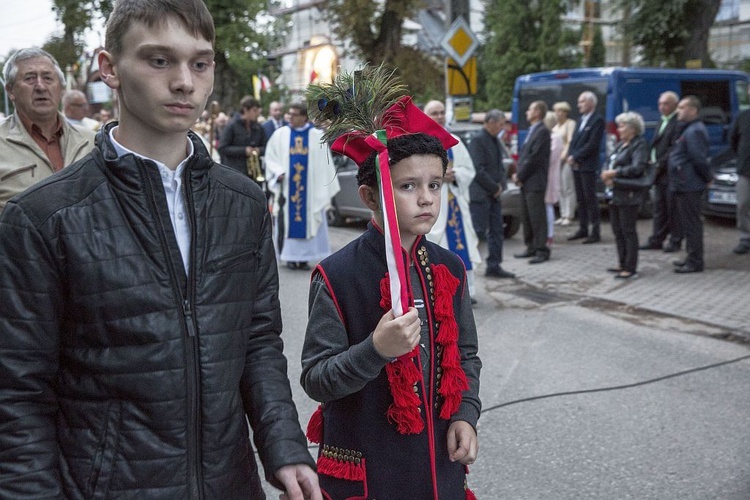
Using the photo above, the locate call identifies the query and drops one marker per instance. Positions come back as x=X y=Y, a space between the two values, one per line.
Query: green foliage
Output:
x=523 y=36
x=375 y=30
x=670 y=32
x=598 y=53
x=243 y=38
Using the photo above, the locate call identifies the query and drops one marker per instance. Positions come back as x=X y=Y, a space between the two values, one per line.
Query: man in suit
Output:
x=489 y=182
x=665 y=220
x=531 y=176
x=583 y=158
x=243 y=137
x=689 y=173
x=275 y=119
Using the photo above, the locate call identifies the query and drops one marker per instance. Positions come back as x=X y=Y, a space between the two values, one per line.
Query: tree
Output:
x=598 y=54
x=670 y=33
x=243 y=37
x=523 y=36
x=375 y=30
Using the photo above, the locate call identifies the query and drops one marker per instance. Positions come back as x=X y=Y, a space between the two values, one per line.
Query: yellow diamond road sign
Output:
x=459 y=42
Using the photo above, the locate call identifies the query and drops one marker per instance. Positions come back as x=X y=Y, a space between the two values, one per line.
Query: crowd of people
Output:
x=141 y=324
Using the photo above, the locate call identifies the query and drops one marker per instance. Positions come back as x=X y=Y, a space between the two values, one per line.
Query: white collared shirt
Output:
x=172 y=183
x=584 y=119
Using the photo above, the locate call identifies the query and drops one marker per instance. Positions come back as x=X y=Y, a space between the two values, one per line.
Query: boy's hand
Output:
x=300 y=483
x=462 y=443
x=394 y=337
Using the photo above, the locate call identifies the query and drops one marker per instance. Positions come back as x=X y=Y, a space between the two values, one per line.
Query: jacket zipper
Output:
x=189 y=328
x=191 y=322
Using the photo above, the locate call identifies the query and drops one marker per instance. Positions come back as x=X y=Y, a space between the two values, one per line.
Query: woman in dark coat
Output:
x=627 y=163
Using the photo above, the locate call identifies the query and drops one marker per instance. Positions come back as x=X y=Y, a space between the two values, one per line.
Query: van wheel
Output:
x=511 y=225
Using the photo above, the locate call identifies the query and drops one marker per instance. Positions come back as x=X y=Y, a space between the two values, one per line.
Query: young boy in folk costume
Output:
x=391 y=345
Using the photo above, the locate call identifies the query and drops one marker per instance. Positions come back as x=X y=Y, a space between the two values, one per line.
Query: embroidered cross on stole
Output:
x=298 y=168
x=455 y=232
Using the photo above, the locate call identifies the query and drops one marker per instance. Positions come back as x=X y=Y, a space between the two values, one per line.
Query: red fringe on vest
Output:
x=315 y=426
x=341 y=469
x=453 y=381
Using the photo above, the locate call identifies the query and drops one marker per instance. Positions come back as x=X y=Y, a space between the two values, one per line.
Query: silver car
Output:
x=346 y=205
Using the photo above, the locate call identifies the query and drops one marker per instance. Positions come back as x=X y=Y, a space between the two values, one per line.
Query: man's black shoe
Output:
x=498 y=272
x=650 y=246
x=474 y=301
x=579 y=235
x=538 y=259
x=742 y=248
x=524 y=255
x=679 y=263
x=591 y=239
x=688 y=268
x=671 y=248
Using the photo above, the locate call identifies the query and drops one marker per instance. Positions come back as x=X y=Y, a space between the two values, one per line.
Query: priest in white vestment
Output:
x=302 y=176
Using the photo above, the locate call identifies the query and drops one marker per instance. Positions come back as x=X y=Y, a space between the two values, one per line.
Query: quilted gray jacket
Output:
x=120 y=376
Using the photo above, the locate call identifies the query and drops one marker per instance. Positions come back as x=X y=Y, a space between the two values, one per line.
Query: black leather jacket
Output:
x=120 y=376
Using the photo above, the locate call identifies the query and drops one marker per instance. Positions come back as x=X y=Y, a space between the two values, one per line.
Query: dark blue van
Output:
x=722 y=93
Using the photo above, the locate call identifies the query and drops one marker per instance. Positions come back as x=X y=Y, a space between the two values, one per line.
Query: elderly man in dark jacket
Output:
x=583 y=157
x=740 y=141
x=140 y=315
x=689 y=173
x=489 y=183
x=665 y=222
x=531 y=175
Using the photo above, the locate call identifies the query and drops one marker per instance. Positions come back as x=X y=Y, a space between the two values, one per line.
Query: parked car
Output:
x=721 y=196
x=346 y=205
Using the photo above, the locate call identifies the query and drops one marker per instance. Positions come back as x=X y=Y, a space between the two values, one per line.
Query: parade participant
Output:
x=583 y=158
x=486 y=190
x=243 y=141
x=454 y=229
x=36 y=140
x=303 y=179
x=140 y=316
x=531 y=176
x=689 y=173
x=391 y=345
x=628 y=161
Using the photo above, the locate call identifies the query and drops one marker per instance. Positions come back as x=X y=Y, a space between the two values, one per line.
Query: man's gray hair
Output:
x=11 y=65
x=588 y=95
x=494 y=115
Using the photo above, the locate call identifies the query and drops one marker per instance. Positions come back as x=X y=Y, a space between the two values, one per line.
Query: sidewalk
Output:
x=719 y=296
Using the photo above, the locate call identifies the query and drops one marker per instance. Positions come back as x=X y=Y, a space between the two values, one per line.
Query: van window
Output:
x=742 y=98
x=716 y=108
x=560 y=90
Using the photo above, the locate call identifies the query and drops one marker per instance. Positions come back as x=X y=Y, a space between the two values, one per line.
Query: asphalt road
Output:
x=685 y=437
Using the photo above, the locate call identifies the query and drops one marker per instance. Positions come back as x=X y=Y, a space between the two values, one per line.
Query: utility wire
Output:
x=616 y=387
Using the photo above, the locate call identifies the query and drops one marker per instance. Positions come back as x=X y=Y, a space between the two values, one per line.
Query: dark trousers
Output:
x=666 y=221
x=487 y=217
x=588 y=206
x=624 y=219
x=689 y=210
x=534 y=219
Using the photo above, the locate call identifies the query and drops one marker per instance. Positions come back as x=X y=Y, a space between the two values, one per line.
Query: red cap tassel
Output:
x=315 y=426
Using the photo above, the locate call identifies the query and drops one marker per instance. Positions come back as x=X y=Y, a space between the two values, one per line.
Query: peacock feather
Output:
x=354 y=102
